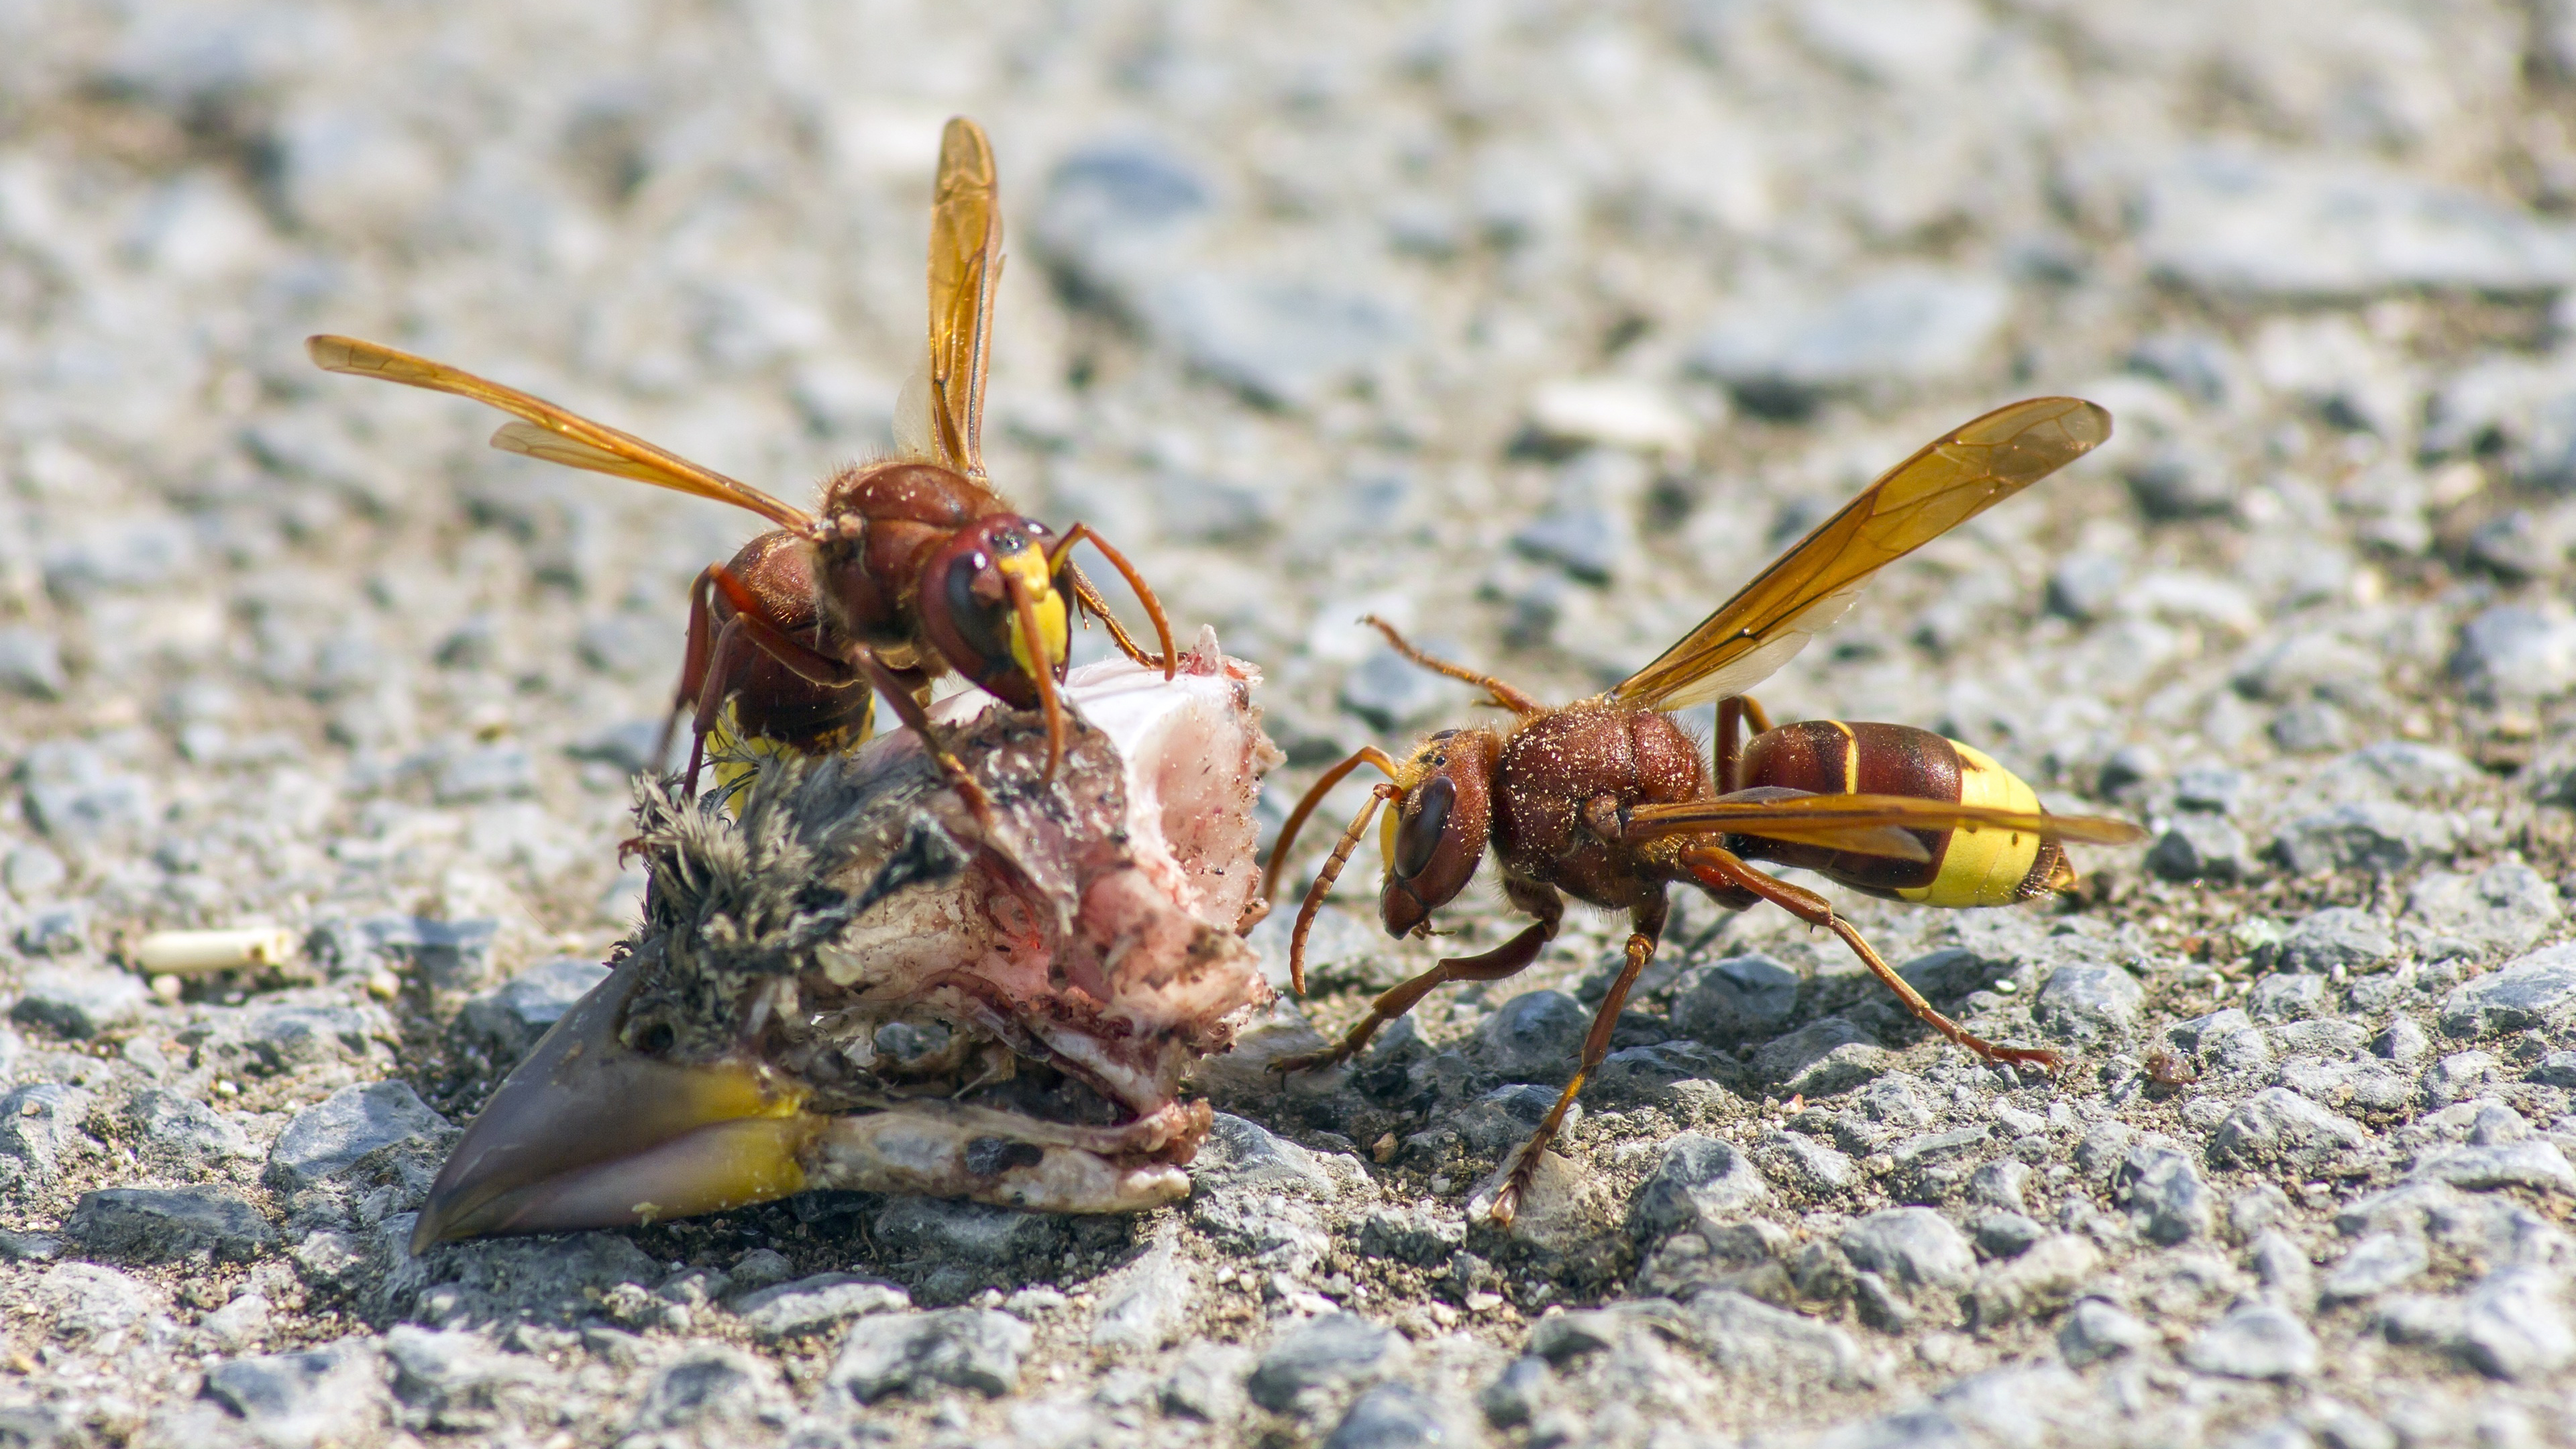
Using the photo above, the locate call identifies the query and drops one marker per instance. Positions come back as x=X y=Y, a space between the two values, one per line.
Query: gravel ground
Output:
x=1536 y=328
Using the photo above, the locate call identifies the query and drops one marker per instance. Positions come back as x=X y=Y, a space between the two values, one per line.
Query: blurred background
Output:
x=1534 y=327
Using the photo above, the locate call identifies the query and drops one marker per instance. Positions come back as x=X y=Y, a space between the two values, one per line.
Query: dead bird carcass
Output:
x=862 y=984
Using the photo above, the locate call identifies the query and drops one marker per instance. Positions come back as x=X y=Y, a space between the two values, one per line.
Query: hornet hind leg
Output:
x=1728 y=878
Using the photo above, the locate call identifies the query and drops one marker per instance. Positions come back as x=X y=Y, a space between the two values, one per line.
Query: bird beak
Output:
x=587 y=1133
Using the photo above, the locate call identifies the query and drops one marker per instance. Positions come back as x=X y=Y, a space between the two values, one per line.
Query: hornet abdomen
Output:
x=1967 y=867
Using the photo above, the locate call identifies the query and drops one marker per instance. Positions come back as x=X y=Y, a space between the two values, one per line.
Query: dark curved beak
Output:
x=587 y=1133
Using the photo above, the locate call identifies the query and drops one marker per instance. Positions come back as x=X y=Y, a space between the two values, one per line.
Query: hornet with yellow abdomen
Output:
x=907 y=569
x=1608 y=801
x=1959 y=868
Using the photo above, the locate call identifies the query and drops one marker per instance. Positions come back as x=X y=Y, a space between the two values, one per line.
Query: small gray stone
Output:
x=449 y=1374
x=2329 y=1036
x=2084 y=586
x=29 y=1247
x=2104 y=1150
x=2126 y=768
x=914 y=1353
x=2180 y=480
x=40 y=1125
x=509 y=1021
x=1502 y=1118
x=2497 y=912
x=2040 y=1280
x=2514 y=1325
x=485 y=772
x=2167 y=1201
x=326 y=1141
x=1514 y=1396
x=2004 y=1234
x=1322 y=1353
x=1911 y=1246
x=2281 y=1266
x=2367 y=1085
x=158 y=1225
x=1953 y=973
x=283 y=1038
x=711 y=1386
x=2458 y=1076
x=628 y=746
x=1751 y=1340
x=1907 y=323
x=1410 y=1235
x=79 y=1001
x=1821 y=1058
x=760 y=1268
x=630 y=645
x=2286 y=996
x=2557 y=1069
x=1393 y=693
x=1808 y=1166
x=2088 y=1003
x=1145 y=1306
x=32 y=871
x=2097 y=1330
x=2402 y=1041
x=2379 y=836
x=85 y=1301
x=1109 y=207
x=55 y=931
x=2414 y=771
x=1700 y=1181
x=1536 y=1036
x=1206 y=1383
x=2338 y=936
x=31 y=663
x=2377 y=1263
x=2310 y=727
x=1388 y=1416
x=2478 y=1167
x=2255 y=1341
x=1923 y=1152
x=821 y=1301
x=2194 y=363
x=1286 y=342
x=2209 y=789
x=1580 y=537
x=446 y=955
x=2513 y=653
x=2277 y=1125
x=2204 y=1033
x=333 y=1393
x=1734 y=998
x=918 y=1228
x=2536 y=990
x=240 y=1324
x=73 y=797
x=1252 y=1192
x=2202 y=847
x=1999 y=1184
x=1650 y=1073
x=2234 y=219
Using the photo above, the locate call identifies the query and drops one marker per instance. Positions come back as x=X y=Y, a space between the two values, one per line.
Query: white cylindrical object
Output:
x=195 y=953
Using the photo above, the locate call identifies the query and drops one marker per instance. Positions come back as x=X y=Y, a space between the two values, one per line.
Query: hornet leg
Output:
x=1646 y=931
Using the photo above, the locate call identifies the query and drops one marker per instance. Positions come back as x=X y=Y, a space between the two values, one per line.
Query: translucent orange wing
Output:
x=549 y=432
x=965 y=266
x=1851 y=822
x=1952 y=480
